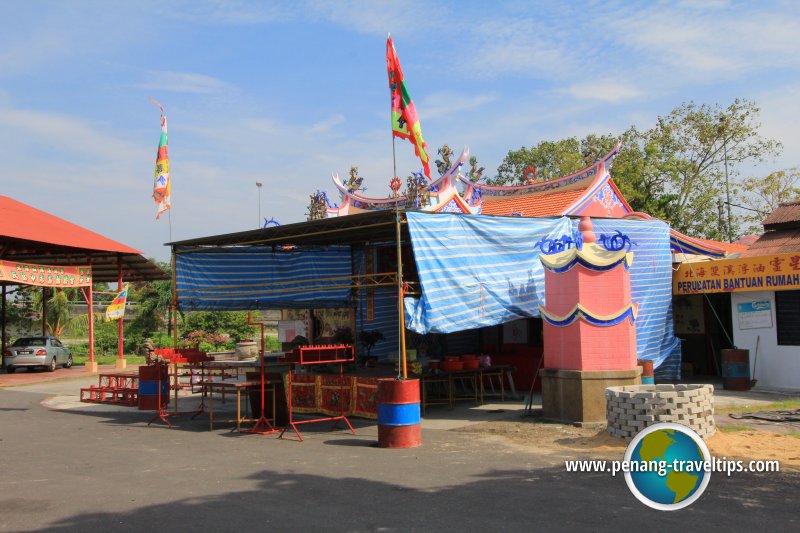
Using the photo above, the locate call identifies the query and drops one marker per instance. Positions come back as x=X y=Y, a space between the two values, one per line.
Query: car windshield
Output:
x=31 y=341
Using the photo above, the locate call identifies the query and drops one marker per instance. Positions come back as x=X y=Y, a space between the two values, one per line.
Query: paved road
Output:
x=103 y=469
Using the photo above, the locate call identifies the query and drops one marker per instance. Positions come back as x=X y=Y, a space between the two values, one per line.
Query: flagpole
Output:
x=401 y=330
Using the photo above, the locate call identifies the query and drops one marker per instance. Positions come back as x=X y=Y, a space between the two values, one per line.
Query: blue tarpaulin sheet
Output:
x=478 y=271
x=260 y=277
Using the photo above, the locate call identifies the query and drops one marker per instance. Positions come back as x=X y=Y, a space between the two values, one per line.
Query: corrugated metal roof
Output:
x=775 y=242
x=787 y=214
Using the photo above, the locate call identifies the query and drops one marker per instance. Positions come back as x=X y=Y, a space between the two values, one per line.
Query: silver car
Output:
x=41 y=351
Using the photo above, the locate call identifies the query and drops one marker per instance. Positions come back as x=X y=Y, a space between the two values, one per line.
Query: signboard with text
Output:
x=754 y=315
x=44 y=275
x=775 y=272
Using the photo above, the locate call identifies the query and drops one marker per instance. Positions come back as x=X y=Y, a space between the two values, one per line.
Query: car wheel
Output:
x=68 y=364
x=52 y=366
x=10 y=369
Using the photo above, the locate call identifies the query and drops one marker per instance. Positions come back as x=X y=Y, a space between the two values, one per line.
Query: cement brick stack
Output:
x=632 y=408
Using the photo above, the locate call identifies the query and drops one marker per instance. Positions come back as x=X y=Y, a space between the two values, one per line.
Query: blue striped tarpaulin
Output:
x=260 y=277
x=478 y=271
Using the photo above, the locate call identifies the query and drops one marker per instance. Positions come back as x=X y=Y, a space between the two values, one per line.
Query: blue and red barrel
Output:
x=149 y=379
x=398 y=413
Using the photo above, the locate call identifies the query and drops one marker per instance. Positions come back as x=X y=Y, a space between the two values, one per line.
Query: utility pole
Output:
x=258 y=186
x=720 y=223
x=723 y=130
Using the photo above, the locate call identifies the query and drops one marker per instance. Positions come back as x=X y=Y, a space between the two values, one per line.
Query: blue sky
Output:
x=287 y=93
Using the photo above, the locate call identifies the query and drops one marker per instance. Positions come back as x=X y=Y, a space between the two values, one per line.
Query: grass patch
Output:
x=777 y=406
x=733 y=428
x=108 y=359
x=795 y=434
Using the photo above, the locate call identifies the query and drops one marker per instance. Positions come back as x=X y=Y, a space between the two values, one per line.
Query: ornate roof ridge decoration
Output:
x=584 y=174
x=591 y=256
x=442 y=195
x=629 y=312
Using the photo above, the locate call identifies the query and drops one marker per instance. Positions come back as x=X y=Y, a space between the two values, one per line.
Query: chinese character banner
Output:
x=776 y=272
x=44 y=275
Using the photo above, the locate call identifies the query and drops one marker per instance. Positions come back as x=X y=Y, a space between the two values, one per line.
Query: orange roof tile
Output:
x=729 y=247
x=532 y=205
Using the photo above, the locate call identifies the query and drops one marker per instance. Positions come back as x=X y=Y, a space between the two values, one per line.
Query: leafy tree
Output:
x=552 y=159
x=154 y=305
x=676 y=170
x=762 y=195
x=234 y=323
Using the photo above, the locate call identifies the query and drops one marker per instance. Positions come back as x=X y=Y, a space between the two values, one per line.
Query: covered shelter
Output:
x=465 y=278
x=30 y=236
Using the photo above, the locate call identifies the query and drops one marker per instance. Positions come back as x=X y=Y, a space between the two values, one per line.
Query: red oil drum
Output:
x=149 y=379
x=647 y=372
x=398 y=414
x=735 y=369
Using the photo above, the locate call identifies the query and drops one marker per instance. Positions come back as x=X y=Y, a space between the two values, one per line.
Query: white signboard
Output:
x=289 y=329
x=754 y=315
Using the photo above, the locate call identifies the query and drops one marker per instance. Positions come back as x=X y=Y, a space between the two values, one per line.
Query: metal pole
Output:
x=44 y=311
x=401 y=331
x=90 y=300
x=174 y=303
x=120 y=357
x=401 y=311
x=3 y=347
x=258 y=185
x=727 y=190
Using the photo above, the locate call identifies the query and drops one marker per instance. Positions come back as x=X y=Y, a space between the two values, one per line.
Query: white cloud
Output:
x=230 y=12
x=185 y=82
x=604 y=90
x=328 y=124
x=381 y=17
x=446 y=103
x=66 y=134
x=780 y=116
x=706 y=44
x=520 y=46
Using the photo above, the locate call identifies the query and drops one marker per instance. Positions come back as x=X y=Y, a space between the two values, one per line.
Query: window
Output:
x=787 y=312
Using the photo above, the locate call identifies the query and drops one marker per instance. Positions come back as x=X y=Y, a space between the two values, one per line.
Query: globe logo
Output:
x=669 y=466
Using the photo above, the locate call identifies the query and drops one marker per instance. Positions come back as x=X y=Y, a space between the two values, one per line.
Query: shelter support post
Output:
x=174 y=303
x=121 y=363
x=91 y=365
x=44 y=310
x=3 y=317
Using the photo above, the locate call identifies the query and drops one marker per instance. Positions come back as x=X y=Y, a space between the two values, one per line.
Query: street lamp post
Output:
x=258 y=185
x=723 y=129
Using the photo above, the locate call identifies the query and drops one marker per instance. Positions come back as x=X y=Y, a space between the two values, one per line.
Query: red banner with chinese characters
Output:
x=44 y=275
x=775 y=272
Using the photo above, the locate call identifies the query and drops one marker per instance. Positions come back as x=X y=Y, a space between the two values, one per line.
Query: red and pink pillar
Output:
x=589 y=328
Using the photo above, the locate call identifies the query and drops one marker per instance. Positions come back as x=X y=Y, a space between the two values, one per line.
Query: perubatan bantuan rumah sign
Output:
x=776 y=272
x=44 y=275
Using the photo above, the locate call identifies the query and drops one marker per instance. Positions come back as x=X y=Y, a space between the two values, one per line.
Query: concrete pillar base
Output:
x=579 y=396
x=120 y=364
x=91 y=368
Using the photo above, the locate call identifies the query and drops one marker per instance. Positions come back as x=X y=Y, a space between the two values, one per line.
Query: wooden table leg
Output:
x=210 y=408
x=238 y=409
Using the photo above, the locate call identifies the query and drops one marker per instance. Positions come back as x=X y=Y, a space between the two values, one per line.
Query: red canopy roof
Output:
x=21 y=221
x=30 y=235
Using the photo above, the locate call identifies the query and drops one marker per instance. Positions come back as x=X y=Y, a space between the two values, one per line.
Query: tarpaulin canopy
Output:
x=478 y=271
x=263 y=277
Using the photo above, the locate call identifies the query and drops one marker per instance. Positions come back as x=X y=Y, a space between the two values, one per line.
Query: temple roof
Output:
x=532 y=205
